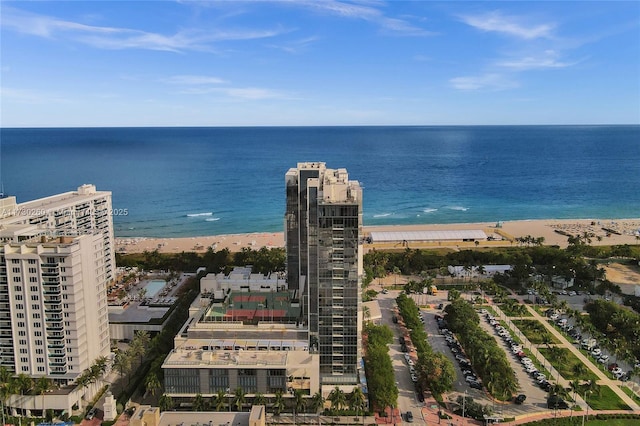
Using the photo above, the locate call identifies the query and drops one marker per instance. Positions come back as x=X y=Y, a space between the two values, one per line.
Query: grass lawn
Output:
x=577 y=421
x=566 y=365
x=534 y=331
x=631 y=394
x=607 y=400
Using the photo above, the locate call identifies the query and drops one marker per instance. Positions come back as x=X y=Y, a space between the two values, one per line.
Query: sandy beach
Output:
x=619 y=231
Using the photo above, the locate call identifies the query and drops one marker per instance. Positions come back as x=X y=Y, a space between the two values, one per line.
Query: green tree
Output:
x=239 y=398
x=165 y=402
x=42 y=386
x=220 y=400
x=259 y=399
x=152 y=383
x=337 y=399
x=278 y=402
x=198 y=402
x=357 y=400
x=317 y=402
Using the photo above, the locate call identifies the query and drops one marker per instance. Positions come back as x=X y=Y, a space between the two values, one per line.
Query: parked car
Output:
x=554 y=401
x=409 y=417
x=91 y=414
x=520 y=398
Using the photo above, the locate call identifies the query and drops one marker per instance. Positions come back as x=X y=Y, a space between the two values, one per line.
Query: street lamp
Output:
x=229 y=391
x=464 y=401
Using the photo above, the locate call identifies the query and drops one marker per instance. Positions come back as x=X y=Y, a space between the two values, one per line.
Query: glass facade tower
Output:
x=323 y=228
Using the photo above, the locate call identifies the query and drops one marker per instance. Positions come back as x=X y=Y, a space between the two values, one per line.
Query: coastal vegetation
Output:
x=488 y=360
x=263 y=260
x=435 y=370
x=381 y=382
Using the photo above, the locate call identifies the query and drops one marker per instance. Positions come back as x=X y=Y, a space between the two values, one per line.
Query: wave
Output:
x=200 y=214
x=458 y=208
x=428 y=210
x=382 y=215
x=212 y=219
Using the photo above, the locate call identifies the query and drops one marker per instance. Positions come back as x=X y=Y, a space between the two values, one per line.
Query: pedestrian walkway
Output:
x=602 y=379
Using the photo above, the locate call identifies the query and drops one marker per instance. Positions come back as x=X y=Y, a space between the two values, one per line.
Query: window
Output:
x=17 y=288
x=18 y=297
x=40 y=360
x=39 y=351
x=24 y=359
x=15 y=261
x=34 y=298
x=37 y=324
x=17 y=279
x=32 y=270
x=23 y=351
x=38 y=333
x=34 y=288
x=32 y=261
x=35 y=307
x=182 y=380
x=36 y=315
x=16 y=270
x=40 y=369
x=33 y=279
x=25 y=368
x=22 y=333
x=22 y=342
x=20 y=315
x=39 y=343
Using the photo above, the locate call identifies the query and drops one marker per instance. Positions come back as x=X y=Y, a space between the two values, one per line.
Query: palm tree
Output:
x=7 y=387
x=239 y=398
x=299 y=402
x=122 y=362
x=278 y=402
x=220 y=400
x=356 y=400
x=579 y=370
x=317 y=402
x=42 y=386
x=165 y=402
x=259 y=399
x=198 y=402
x=575 y=387
x=152 y=383
x=337 y=398
x=24 y=383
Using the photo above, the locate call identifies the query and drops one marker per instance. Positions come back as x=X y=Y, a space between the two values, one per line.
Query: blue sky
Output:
x=229 y=63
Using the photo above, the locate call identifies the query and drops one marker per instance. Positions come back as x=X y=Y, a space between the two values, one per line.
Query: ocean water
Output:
x=175 y=182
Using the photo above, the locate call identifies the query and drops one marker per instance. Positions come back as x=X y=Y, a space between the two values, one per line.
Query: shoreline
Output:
x=629 y=230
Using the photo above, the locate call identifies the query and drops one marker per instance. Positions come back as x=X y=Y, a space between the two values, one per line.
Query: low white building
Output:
x=474 y=272
x=240 y=279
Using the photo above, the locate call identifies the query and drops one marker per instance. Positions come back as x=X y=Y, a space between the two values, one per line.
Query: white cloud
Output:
x=23 y=96
x=491 y=82
x=548 y=59
x=114 y=38
x=497 y=22
x=193 y=80
x=295 y=46
x=364 y=11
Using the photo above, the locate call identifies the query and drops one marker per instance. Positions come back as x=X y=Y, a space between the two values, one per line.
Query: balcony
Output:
x=53 y=309
x=56 y=344
x=52 y=290
x=55 y=327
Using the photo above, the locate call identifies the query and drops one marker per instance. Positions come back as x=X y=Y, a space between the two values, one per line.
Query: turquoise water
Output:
x=186 y=182
x=154 y=287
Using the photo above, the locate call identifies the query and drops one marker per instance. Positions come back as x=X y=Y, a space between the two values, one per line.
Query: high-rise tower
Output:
x=56 y=260
x=323 y=229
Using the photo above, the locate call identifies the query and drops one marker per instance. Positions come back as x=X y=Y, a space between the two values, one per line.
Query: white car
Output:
x=407 y=357
x=410 y=362
x=414 y=378
x=603 y=359
x=617 y=371
x=596 y=352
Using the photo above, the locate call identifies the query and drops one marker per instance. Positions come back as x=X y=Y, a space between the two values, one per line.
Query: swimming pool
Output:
x=154 y=287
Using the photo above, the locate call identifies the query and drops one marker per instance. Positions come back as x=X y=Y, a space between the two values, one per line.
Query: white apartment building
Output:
x=56 y=261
